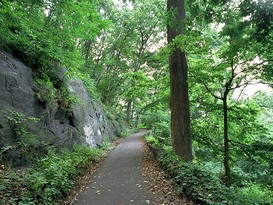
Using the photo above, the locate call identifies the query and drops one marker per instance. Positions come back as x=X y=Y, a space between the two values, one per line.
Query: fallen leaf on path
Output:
x=162 y=188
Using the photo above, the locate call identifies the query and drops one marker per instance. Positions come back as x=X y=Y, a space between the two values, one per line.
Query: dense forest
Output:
x=124 y=51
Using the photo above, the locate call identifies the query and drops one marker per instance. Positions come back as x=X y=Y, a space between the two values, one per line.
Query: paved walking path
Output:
x=119 y=180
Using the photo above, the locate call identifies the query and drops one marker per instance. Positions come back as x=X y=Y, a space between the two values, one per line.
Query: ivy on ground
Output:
x=202 y=186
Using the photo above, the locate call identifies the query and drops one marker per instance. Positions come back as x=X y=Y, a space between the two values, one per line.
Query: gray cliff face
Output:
x=88 y=116
x=16 y=93
x=85 y=124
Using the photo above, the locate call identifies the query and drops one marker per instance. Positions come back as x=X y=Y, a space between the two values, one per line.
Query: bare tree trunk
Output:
x=87 y=45
x=128 y=111
x=179 y=99
x=226 y=143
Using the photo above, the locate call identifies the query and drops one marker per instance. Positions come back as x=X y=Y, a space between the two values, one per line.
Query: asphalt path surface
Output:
x=119 y=180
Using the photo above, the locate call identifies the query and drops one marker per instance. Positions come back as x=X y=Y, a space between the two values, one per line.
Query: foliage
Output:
x=26 y=143
x=265 y=103
x=89 y=85
x=257 y=194
x=119 y=52
x=202 y=185
x=120 y=55
x=48 y=180
x=49 y=34
x=49 y=174
x=45 y=91
x=159 y=124
x=52 y=34
x=126 y=132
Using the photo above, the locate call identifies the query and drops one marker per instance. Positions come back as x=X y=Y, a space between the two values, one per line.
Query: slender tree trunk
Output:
x=87 y=45
x=179 y=99
x=128 y=111
x=226 y=144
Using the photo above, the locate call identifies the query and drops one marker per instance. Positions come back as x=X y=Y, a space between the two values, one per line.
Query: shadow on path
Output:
x=119 y=179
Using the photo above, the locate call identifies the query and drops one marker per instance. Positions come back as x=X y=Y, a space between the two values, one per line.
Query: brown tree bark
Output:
x=179 y=99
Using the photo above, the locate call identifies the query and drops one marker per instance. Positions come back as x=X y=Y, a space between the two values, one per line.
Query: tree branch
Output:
x=211 y=93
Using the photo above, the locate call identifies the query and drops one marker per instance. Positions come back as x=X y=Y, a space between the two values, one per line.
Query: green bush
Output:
x=48 y=180
x=202 y=185
x=152 y=139
x=125 y=132
x=159 y=123
x=257 y=194
x=12 y=188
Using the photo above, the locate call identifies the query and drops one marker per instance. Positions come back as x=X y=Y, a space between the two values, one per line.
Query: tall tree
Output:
x=179 y=98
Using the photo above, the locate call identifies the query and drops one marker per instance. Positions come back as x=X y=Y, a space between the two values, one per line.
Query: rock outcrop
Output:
x=88 y=116
x=86 y=122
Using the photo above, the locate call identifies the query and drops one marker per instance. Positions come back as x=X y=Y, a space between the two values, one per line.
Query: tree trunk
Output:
x=179 y=99
x=87 y=45
x=226 y=144
x=128 y=111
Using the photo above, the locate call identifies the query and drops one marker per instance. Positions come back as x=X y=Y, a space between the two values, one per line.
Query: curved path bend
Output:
x=119 y=179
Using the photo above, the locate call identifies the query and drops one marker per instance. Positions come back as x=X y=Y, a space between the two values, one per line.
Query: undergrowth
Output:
x=49 y=174
x=46 y=181
x=201 y=185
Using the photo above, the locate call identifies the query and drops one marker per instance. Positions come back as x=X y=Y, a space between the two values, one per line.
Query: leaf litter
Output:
x=161 y=187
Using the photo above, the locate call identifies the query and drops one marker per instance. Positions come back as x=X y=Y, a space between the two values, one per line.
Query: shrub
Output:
x=49 y=179
x=257 y=194
x=202 y=185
